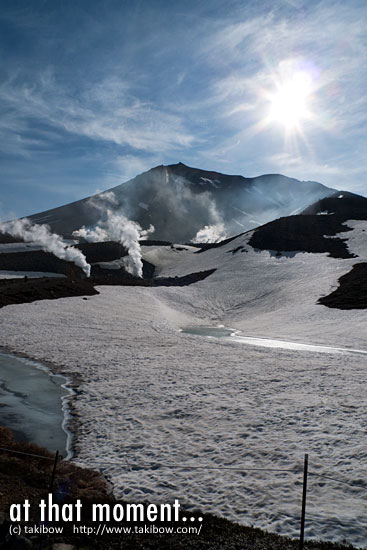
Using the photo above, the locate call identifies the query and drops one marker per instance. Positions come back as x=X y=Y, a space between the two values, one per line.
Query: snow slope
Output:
x=160 y=410
x=265 y=295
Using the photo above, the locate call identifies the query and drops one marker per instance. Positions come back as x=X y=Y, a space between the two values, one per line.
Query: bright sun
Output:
x=289 y=104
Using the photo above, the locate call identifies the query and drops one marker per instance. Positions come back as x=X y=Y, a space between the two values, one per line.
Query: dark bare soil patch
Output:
x=152 y=242
x=102 y=252
x=303 y=234
x=203 y=247
x=310 y=231
x=352 y=290
x=19 y=291
x=39 y=261
x=348 y=206
x=183 y=281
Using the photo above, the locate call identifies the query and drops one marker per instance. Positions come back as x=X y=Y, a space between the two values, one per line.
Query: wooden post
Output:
x=54 y=472
x=303 y=516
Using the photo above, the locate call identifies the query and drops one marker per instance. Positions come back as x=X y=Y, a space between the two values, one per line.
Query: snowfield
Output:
x=168 y=415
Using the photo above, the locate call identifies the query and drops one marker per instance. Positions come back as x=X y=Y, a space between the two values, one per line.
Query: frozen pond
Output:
x=33 y=403
x=211 y=332
x=235 y=336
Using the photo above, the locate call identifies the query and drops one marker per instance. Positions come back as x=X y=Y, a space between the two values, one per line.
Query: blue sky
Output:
x=94 y=92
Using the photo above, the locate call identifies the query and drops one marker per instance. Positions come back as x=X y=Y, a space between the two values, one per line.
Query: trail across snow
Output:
x=159 y=408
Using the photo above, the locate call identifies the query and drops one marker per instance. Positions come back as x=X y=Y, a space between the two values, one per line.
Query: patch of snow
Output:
x=213 y=183
x=29 y=274
x=356 y=239
x=18 y=247
x=164 y=257
x=143 y=205
x=114 y=264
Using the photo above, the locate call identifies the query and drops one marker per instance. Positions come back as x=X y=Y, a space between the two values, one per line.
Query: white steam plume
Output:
x=210 y=234
x=50 y=242
x=117 y=227
x=144 y=233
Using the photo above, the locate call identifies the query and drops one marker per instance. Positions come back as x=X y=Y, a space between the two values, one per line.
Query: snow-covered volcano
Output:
x=183 y=203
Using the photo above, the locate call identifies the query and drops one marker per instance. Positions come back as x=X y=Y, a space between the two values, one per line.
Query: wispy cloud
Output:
x=340 y=169
x=109 y=111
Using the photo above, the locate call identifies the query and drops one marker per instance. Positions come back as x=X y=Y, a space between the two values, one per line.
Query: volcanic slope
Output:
x=181 y=201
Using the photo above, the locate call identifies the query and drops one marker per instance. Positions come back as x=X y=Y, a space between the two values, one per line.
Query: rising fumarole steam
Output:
x=50 y=242
x=210 y=234
x=117 y=227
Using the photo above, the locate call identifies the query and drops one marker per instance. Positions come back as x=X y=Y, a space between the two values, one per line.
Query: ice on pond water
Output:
x=32 y=403
x=213 y=332
x=235 y=336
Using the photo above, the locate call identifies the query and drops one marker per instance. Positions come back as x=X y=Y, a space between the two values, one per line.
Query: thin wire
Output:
x=28 y=454
x=337 y=480
x=243 y=469
x=328 y=520
x=183 y=466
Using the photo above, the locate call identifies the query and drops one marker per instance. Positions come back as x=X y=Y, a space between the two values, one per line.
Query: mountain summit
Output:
x=186 y=203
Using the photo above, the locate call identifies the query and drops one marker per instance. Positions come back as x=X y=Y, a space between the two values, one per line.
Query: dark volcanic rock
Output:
x=148 y=270
x=19 y=291
x=309 y=231
x=38 y=260
x=352 y=290
x=347 y=206
x=203 y=247
x=185 y=280
x=6 y=238
x=119 y=277
x=303 y=234
x=102 y=252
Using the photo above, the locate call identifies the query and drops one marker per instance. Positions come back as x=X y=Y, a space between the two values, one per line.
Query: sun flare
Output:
x=289 y=105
